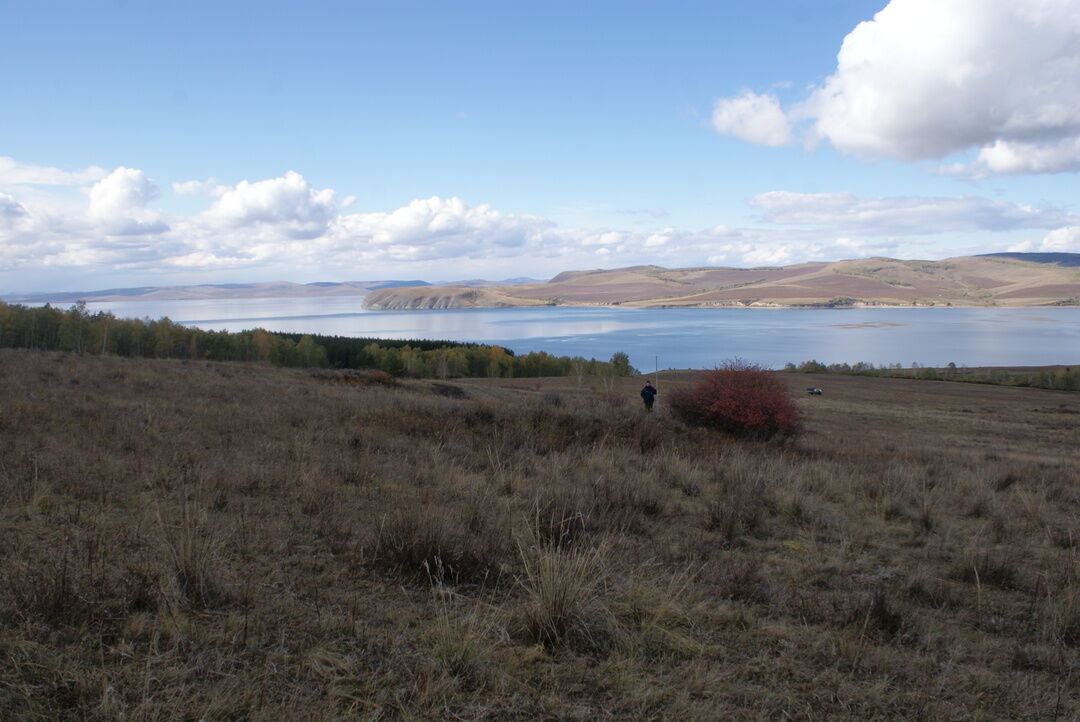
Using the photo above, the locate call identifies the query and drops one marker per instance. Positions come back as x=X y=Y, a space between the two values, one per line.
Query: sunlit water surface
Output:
x=679 y=338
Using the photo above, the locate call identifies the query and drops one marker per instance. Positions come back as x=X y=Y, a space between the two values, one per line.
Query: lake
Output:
x=673 y=338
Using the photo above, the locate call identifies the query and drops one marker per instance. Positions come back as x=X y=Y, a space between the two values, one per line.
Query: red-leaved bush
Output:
x=738 y=398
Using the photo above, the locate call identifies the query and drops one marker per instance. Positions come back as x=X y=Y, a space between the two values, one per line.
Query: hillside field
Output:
x=223 y=541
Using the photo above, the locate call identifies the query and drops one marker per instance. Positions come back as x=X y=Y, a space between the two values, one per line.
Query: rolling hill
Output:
x=992 y=280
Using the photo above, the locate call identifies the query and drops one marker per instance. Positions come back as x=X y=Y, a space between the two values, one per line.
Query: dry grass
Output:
x=562 y=602
x=225 y=541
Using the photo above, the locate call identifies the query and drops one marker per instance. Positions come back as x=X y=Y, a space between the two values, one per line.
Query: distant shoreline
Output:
x=1008 y=280
x=734 y=306
x=21 y=301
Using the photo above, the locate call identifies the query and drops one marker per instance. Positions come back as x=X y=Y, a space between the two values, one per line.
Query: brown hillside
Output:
x=963 y=281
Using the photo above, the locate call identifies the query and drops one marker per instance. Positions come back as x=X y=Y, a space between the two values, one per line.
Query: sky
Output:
x=148 y=143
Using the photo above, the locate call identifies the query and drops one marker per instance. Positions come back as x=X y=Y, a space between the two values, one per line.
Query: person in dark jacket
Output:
x=648 y=395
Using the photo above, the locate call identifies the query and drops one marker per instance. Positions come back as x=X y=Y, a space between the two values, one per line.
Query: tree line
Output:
x=78 y=330
x=1061 y=378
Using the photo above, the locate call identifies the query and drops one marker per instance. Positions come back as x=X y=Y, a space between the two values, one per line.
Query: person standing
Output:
x=648 y=395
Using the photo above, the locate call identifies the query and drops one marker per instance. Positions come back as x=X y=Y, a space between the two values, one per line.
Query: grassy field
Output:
x=197 y=540
x=1060 y=377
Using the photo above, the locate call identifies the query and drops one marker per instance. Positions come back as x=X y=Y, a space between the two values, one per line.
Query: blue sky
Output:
x=152 y=143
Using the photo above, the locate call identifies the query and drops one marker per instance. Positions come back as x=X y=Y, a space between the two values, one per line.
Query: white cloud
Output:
x=208 y=187
x=903 y=215
x=608 y=238
x=766 y=251
x=758 y=247
x=1059 y=240
x=203 y=260
x=286 y=227
x=926 y=79
x=1015 y=158
x=13 y=173
x=118 y=204
x=11 y=211
x=1062 y=239
x=439 y=228
x=40 y=229
x=286 y=206
x=754 y=118
x=753 y=255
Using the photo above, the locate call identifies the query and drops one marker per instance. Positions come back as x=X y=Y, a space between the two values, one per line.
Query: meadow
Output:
x=185 y=539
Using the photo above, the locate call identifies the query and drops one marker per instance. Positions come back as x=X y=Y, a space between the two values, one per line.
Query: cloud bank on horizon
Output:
x=979 y=88
x=285 y=223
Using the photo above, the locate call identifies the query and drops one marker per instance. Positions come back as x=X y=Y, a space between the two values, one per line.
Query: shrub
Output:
x=738 y=398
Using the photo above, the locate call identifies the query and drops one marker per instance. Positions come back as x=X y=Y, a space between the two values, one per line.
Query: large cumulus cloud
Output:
x=926 y=79
x=438 y=228
x=288 y=206
x=286 y=220
x=118 y=204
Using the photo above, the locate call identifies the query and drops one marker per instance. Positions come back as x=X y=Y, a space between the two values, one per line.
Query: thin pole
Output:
x=656 y=372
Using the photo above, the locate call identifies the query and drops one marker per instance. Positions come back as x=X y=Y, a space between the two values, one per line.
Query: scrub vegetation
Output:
x=739 y=399
x=186 y=539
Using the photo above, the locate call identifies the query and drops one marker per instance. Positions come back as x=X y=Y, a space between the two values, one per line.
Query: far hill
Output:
x=1012 y=279
x=1061 y=259
x=271 y=289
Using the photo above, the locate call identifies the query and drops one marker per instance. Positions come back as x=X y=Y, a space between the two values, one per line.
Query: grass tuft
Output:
x=562 y=603
x=424 y=541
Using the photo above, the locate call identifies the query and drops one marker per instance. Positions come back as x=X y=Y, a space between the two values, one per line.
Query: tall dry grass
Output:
x=215 y=541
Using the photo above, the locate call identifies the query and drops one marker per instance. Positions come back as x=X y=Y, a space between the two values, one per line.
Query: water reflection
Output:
x=680 y=337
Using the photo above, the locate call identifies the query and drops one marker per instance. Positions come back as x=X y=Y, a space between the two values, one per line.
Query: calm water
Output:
x=681 y=338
